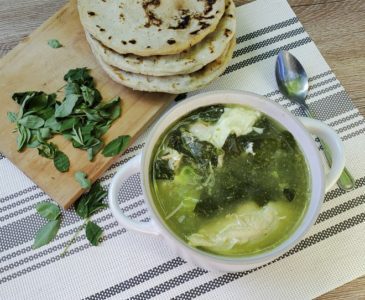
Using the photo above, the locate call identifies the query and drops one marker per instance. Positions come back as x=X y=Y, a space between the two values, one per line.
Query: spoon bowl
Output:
x=291 y=77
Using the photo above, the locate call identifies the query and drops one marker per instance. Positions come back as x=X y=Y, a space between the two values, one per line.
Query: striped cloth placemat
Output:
x=135 y=266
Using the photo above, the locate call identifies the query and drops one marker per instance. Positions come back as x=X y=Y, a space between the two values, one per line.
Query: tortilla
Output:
x=188 y=61
x=171 y=84
x=150 y=27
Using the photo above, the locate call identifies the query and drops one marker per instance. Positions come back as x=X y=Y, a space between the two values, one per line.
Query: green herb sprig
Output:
x=86 y=206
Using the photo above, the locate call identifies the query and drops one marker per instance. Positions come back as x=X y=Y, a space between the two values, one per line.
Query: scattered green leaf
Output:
x=12 y=117
x=31 y=122
x=53 y=43
x=116 y=146
x=67 y=124
x=48 y=210
x=80 y=76
x=23 y=137
x=81 y=178
x=90 y=95
x=65 y=109
x=110 y=110
x=47 y=150
x=52 y=124
x=46 y=233
x=34 y=142
x=61 y=161
x=72 y=88
x=44 y=133
x=93 y=233
x=92 y=151
x=91 y=202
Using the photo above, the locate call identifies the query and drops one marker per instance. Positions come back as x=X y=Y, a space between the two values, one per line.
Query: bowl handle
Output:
x=330 y=137
x=130 y=168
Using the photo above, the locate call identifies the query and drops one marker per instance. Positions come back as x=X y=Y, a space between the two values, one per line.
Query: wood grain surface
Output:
x=336 y=26
x=33 y=65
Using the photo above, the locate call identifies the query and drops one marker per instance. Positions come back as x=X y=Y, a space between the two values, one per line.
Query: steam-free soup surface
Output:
x=229 y=180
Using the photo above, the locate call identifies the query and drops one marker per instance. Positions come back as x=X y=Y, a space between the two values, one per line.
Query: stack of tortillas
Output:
x=172 y=46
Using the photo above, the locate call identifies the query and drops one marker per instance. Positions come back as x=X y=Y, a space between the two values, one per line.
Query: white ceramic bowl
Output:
x=301 y=129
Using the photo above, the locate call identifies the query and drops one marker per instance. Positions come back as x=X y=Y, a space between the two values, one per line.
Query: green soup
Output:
x=229 y=180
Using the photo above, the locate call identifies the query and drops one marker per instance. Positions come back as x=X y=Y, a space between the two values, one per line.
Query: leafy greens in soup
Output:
x=229 y=180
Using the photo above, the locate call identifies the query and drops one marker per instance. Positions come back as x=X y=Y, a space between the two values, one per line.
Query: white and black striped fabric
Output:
x=128 y=265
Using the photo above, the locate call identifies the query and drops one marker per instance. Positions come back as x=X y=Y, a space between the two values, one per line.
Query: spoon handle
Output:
x=346 y=182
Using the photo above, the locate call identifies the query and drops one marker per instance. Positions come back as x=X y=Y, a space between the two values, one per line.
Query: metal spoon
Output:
x=293 y=83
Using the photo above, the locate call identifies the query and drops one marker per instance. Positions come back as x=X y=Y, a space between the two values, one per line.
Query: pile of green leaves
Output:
x=81 y=117
x=87 y=205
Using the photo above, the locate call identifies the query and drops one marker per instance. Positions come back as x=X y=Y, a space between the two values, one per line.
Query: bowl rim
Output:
x=278 y=113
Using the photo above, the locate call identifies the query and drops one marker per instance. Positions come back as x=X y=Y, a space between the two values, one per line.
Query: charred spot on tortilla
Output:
x=152 y=19
x=206 y=18
x=208 y=6
x=100 y=28
x=183 y=23
x=171 y=41
x=203 y=25
x=227 y=32
x=91 y=13
x=133 y=42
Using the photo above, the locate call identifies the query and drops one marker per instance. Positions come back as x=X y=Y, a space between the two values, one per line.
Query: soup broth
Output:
x=229 y=180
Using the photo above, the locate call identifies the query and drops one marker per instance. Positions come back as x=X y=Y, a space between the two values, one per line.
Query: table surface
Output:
x=336 y=26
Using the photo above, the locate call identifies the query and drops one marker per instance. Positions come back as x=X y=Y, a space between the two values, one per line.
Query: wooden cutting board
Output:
x=33 y=65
